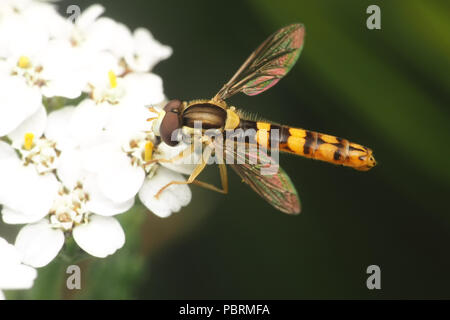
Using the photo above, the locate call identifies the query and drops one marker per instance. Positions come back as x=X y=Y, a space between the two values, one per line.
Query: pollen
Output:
x=24 y=62
x=112 y=79
x=28 y=141
x=148 y=151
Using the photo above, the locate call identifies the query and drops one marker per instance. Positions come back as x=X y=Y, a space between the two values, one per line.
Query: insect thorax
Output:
x=211 y=114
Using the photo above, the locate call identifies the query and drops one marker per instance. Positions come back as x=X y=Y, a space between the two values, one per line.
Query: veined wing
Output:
x=271 y=61
x=263 y=174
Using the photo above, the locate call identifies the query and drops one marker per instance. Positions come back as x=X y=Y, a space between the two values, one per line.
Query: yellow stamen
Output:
x=153 y=118
x=148 y=151
x=112 y=79
x=28 y=141
x=24 y=62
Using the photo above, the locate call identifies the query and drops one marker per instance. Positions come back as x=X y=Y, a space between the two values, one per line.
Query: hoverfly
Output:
x=263 y=69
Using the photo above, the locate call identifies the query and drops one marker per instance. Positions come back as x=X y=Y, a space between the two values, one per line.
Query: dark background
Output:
x=387 y=89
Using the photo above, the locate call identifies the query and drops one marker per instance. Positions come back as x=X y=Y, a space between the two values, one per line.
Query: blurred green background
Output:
x=387 y=89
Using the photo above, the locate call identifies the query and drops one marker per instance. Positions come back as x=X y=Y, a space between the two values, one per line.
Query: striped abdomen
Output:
x=312 y=144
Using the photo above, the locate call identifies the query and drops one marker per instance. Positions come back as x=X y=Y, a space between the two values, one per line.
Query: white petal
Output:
x=9 y=253
x=39 y=243
x=57 y=128
x=17 y=39
x=11 y=216
x=106 y=207
x=46 y=19
x=2 y=296
x=100 y=35
x=18 y=102
x=119 y=180
x=143 y=89
x=7 y=152
x=147 y=51
x=13 y=274
x=33 y=124
x=98 y=153
x=184 y=165
x=69 y=168
x=109 y=35
x=100 y=204
x=23 y=190
x=100 y=237
x=63 y=71
x=17 y=277
x=98 y=64
x=171 y=199
x=68 y=87
x=88 y=120
x=89 y=15
x=127 y=120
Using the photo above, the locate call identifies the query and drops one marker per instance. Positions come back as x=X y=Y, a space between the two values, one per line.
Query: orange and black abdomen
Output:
x=312 y=144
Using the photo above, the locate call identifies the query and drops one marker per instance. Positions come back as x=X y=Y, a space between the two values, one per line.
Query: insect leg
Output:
x=152 y=109
x=197 y=170
x=181 y=155
x=223 y=179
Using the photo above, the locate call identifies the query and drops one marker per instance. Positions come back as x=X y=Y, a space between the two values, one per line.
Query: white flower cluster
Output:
x=68 y=170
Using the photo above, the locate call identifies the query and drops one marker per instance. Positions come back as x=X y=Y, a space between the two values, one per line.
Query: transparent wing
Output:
x=271 y=61
x=264 y=176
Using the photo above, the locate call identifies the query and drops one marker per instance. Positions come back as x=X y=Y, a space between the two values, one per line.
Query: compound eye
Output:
x=170 y=122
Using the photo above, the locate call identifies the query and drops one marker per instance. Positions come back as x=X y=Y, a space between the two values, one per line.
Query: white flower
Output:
x=95 y=34
x=111 y=137
x=69 y=172
x=65 y=71
x=114 y=157
x=100 y=237
x=31 y=196
x=171 y=199
x=17 y=103
x=71 y=212
x=139 y=50
x=41 y=242
x=27 y=26
x=57 y=70
x=26 y=195
x=13 y=274
x=146 y=52
x=33 y=193
x=182 y=165
x=87 y=149
x=134 y=91
x=34 y=124
x=30 y=51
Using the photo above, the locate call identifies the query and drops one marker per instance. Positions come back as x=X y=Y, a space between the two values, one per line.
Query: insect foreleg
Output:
x=197 y=170
x=223 y=179
x=181 y=155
